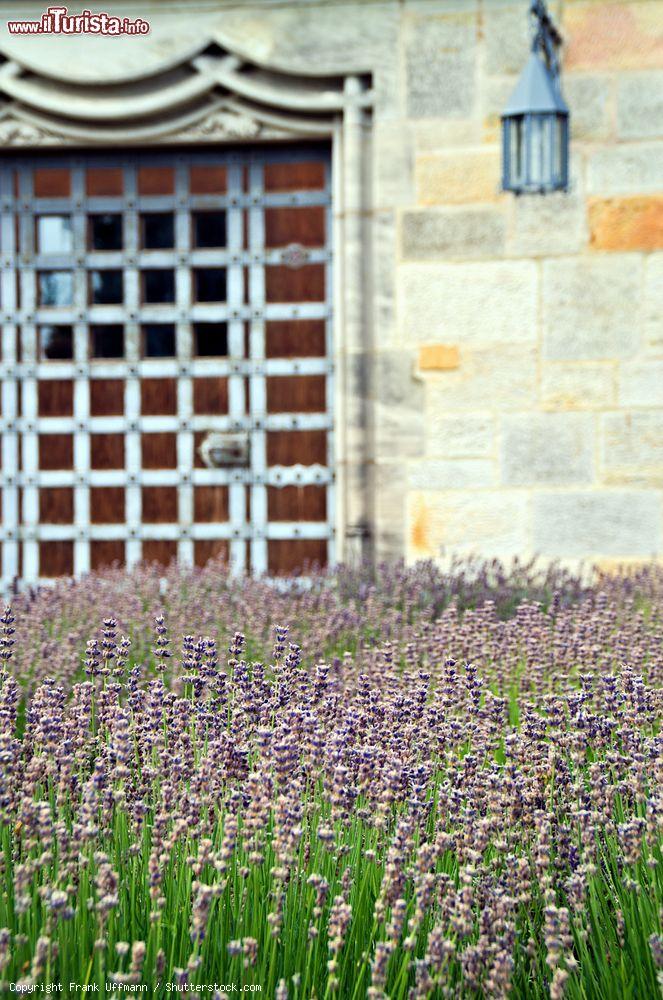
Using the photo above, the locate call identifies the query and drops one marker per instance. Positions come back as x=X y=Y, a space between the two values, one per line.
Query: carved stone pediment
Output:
x=19 y=133
x=211 y=95
x=221 y=125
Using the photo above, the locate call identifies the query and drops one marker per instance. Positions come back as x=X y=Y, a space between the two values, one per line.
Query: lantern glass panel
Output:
x=536 y=156
x=560 y=141
x=514 y=127
x=548 y=124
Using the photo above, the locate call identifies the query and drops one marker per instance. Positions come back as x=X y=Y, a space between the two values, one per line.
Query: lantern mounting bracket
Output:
x=547 y=38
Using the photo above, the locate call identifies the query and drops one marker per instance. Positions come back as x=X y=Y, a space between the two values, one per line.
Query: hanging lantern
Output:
x=535 y=122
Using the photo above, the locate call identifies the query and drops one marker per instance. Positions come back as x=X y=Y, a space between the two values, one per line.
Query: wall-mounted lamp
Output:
x=535 y=122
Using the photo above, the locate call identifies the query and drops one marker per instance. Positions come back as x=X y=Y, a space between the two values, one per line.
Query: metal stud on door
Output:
x=165 y=371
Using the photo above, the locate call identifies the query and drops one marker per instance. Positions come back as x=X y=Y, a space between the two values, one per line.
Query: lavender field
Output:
x=412 y=784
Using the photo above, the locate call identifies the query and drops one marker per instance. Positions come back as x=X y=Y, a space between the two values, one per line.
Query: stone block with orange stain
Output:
x=465 y=522
x=633 y=223
x=438 y=357
x=613 y=35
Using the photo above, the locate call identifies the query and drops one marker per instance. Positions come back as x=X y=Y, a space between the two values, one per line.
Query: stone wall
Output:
x=525 y=354
x=516 y=351
x=514 y=346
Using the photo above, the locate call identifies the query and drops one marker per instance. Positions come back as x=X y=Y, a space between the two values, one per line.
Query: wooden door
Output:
x=166 y=361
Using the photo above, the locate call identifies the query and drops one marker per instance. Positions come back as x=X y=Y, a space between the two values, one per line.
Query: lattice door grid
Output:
x=166 y=361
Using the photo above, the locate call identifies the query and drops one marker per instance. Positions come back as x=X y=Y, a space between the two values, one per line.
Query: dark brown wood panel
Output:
x=56 y=451
x=107 y=451
x=296 y=555
x=296 y=394
x=295 y=339
x=287 y=284
x=295 y=225
x=161 y=551
x=296 y=503
x=210 y=503
x=210 y=395
x=294 y=447
x=104 y=181
x=56 y=558
x=158 y=397
x=55 y=398
x=56 y=505
x=52 y=182
x=106 y=397
x=106 y=552
x=159 y=451
x=107 y=505
x=156 y=180
x=159 y=504
x=210 y=179
x=198 y=438
x=306 y=175
x=205 y=549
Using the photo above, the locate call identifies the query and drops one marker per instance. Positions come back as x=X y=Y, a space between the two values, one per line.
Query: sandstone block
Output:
x=625 y=169
x=640 y=106
x=490 y=523
x=471 y=435
x=612 y=35
x=548 y=226
x=435 y=134
x=591 y=307
x=503 y=376
x=438 y=357
x=577 y=386
x=588 y=97
x=342 y=38
x=452 y=474
x=454 y=178
x=440 y=65
x=632 y=440
x=469 y=304
x=547 y=448
x=597 y=523
x=634 y=223
x=453 y=234
x=506 y=38
x=641 y=383
x=653 y=302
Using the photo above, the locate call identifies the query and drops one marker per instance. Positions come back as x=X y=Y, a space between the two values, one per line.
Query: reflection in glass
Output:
x=56 y=343
x=159 y=340
x=210 y=284
x=106 y=287
x=209 y=229
x=158 y=231
x=105 y=231
x=56 y=288
x=210 y=339
x=54 y=234
x=158 y=286
x=107 y=341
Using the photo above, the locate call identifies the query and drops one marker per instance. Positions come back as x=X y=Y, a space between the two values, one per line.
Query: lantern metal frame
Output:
x=535 y=122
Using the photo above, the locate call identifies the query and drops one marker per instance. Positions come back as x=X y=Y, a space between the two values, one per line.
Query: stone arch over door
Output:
x=212 y=96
